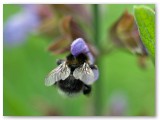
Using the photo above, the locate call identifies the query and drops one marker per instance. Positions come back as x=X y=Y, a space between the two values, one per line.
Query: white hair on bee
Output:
x=67 y=95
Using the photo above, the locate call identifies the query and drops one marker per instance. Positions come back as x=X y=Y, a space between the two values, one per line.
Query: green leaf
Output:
x=145 y=18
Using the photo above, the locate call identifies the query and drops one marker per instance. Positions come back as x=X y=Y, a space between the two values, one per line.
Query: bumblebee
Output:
x=73 y=75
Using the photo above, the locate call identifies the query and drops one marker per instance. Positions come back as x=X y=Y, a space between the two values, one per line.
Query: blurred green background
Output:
x=26 y=66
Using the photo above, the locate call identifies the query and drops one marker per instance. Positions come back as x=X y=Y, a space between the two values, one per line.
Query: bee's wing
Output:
x=85 y=74
x=59 y=73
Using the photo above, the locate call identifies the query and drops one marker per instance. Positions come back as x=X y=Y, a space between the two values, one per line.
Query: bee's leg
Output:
x=59 y=61
x=87 y=89
x=93 y=66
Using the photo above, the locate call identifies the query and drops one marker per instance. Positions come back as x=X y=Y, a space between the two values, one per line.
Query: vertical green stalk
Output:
x=98 y=87
x=96 y=23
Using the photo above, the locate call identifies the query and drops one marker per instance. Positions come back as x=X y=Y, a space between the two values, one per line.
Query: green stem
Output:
x=98 y=87
x=96 y=23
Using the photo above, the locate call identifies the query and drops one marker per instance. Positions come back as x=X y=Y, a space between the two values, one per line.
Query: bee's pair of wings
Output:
x=83 y=73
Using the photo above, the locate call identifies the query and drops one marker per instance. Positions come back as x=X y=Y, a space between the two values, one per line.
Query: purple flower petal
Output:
x=18 y=26
x=91 y=58
x=79 y=46
x=96 y=73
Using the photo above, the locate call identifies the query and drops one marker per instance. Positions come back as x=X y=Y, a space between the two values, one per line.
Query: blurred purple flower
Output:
x=79 y=46
x=118 y=104
x=20 y=25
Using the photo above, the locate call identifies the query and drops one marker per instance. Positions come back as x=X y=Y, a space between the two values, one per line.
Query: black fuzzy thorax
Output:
x=76 y=61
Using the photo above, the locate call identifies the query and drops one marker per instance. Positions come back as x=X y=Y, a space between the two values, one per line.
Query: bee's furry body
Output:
x=71 y=85
x=71 y=75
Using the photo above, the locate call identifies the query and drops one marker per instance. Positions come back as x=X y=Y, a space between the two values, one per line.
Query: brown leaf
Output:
x=82 y=12
x=49 y=27
x=76 y=10
x=71 y=28
x=52 y=14
x=114 y=37
x=61 y=9
x=142 y=61
x=124 y=33
x=70 y=31
x=60 y=46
